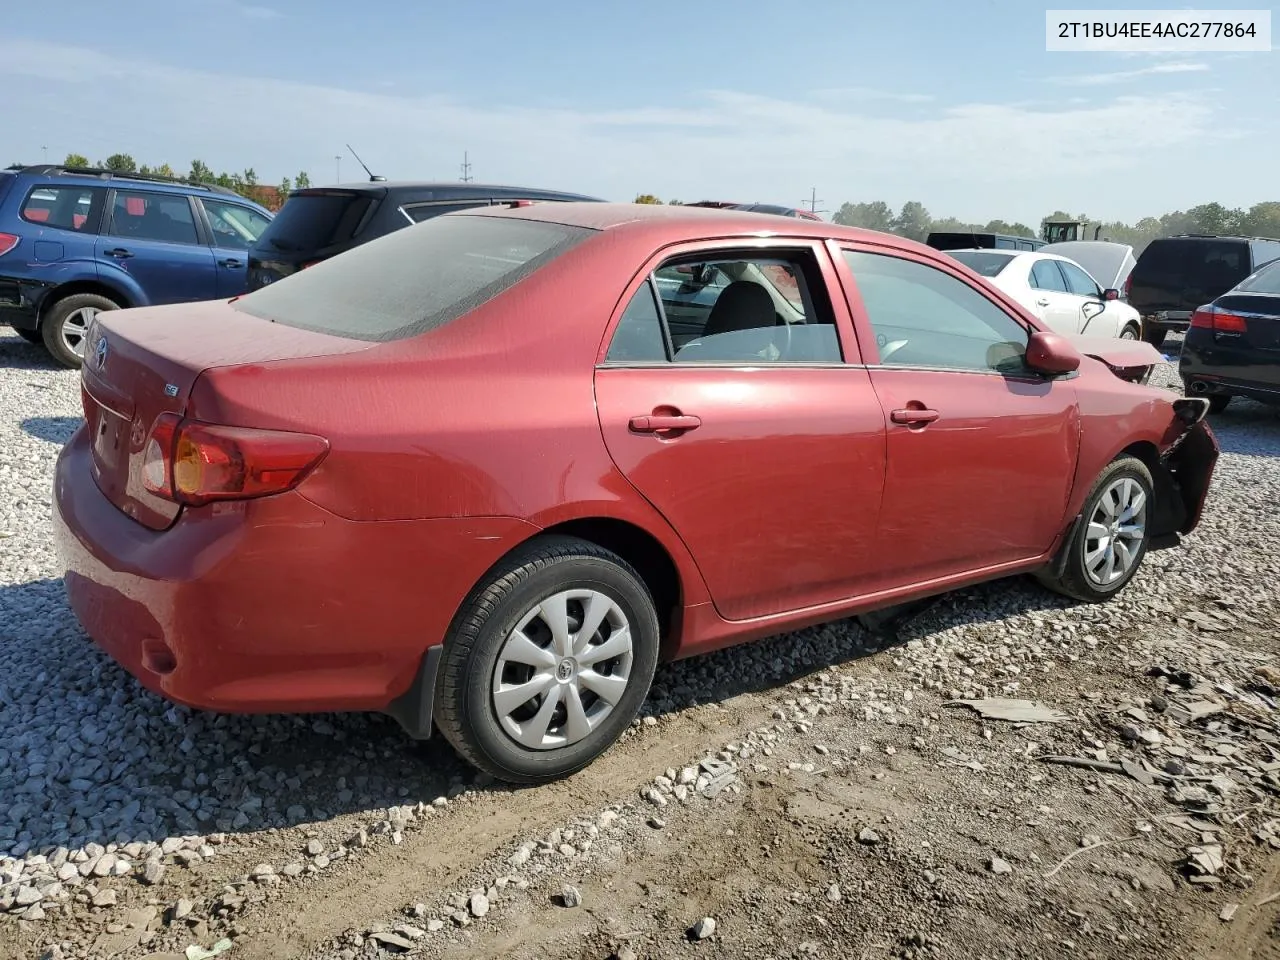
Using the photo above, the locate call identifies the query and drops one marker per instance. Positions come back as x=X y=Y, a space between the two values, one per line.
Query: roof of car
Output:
x=453 y=186
x=708 y=221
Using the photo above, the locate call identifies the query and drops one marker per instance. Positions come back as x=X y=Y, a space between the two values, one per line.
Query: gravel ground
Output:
x=817 y=794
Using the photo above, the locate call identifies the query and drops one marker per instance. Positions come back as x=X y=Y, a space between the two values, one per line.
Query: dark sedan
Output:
x=1232 y=348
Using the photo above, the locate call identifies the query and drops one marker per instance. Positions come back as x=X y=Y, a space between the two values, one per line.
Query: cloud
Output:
x=867 y=93
x=1122 y=76
x=1002 y=157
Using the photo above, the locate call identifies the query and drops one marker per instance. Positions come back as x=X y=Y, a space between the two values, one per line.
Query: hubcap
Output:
x=563 y=669
x=1115 y=532
x=76 y=328
x=1128 y=334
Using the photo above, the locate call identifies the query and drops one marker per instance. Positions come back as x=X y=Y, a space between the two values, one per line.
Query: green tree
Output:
x=875 y=215
x=285 y=186
x=76 y=160
x=1262 y=220
x=913 y=221
x=200 y=172
x=121 y=163
x=301 y=181
x=646 y=198
x=1215 y=218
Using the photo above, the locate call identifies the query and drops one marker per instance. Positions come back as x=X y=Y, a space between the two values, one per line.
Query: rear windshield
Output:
x=313 y=221
x=1266 y=280
x=413 y=280
x=984 y=264
x=1217 y=264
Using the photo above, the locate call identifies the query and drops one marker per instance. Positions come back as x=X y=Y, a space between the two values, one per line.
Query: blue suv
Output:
x=77 y=241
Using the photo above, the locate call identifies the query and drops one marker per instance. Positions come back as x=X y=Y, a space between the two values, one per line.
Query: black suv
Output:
x=1175 y=275
x=316 y=223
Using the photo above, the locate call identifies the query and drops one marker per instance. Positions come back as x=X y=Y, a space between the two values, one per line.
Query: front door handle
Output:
x=659 y=423
x=231 y=262
x=914 y=417
x=120 y=253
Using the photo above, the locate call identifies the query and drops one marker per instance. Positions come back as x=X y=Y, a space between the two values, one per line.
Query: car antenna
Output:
x=372 y=177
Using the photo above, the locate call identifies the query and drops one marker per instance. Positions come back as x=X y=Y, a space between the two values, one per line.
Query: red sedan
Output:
x=489 y=470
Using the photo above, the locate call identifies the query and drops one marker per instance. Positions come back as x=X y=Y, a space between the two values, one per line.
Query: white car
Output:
x=1057 y=290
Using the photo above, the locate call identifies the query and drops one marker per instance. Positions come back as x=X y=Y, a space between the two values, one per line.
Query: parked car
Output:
x=1232 y=347
x=1108 y=263
x=964 y=240
x=481 y=471
x=776 y=209
x=316 y=223
x=1060 y=292
x=76 y=241
x=1175 y=275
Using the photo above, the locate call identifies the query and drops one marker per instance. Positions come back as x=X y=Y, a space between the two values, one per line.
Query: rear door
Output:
x=755 y=439
x=233 y=229
x=1055 y=304
x=981 y=451
x=154 y=239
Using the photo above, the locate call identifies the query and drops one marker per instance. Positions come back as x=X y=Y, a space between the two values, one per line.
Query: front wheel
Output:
x=1130 y=332
x=548 y=661
x=1104 y=553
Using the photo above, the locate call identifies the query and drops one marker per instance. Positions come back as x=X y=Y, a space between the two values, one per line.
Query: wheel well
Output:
x=1169 y=509
x=80 y=286
x=638 y=548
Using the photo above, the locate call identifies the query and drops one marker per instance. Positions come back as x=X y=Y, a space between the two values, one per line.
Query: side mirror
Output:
x=1110 y=294
x=1051 y=354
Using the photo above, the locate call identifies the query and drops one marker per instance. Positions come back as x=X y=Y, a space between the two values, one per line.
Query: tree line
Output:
x=913 y=220
x=244 y=182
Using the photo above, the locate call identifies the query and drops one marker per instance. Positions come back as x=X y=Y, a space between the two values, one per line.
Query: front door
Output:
x=153 y=239
x=981 y=450
x=745 y=427
x=233 y=229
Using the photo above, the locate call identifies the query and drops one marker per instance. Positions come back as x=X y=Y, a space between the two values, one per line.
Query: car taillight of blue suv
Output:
x=77 y=241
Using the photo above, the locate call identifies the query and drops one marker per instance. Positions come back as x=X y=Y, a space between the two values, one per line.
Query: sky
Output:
x=957 y=105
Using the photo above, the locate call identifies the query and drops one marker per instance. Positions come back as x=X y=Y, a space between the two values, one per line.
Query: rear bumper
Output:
x=20 y=302
x=1167 y=320
x=1208 y=367
x=272 y=605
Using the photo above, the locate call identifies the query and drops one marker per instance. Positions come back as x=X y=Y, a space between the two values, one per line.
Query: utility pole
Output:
x=337 y=168
x=466 y=168
x=814 y=201
x=46 y=154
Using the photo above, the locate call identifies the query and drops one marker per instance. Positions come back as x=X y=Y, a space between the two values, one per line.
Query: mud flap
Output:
x=413 y=709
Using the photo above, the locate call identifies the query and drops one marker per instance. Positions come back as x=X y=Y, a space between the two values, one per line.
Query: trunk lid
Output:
x=1261 y=313
x=142 y=363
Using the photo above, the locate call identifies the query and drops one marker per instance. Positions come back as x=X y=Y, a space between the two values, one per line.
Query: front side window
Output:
x=1079 y=282
x=66 y=208
x=923 y=317
x=234 y=227
x=162 y=217
x=737 y=310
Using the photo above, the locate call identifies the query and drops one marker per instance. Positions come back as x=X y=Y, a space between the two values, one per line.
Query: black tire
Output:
x=31 y=336
x=1155 y=336
x=464 y=710
x=1131 y=331
x=55 y=319
x=1075 y=581
x=1218 y=402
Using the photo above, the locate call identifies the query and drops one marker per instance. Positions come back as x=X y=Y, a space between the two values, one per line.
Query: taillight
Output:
x=1219 y=321
x=7 y=242
x=311 y=263
x=193 y=463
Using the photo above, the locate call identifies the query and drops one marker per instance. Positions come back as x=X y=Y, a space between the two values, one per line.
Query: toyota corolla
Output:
x=484 y=473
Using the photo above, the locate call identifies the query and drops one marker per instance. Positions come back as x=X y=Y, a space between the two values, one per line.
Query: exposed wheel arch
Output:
x=74 y=287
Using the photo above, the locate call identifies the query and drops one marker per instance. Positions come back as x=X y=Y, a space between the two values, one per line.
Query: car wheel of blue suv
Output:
x=65 y=326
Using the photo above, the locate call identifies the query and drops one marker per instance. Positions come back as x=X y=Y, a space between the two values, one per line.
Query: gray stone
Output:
x=702 y=929
x=478 y=905
x=570 y=897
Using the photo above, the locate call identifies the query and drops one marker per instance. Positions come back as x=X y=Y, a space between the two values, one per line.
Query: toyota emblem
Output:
x=100 y=352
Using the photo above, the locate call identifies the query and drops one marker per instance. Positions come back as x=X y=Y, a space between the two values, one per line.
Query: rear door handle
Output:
x=914 y=417
x=231 y=262
x=1042 y=303
x=655 y=423
x=120 y=253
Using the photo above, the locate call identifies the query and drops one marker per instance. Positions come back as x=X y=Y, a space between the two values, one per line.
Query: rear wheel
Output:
x=1104 y=553
x=65 y=326
x=548 y=661
x=1155 y=336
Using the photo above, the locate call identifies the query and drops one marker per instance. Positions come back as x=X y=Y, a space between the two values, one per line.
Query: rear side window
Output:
x=1266 y=280
x=66 y=208
x=162 y=217
x=1264 y=251
x=417 y=212
x=414 y=280
x=313 y=221
x=1045 y=275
